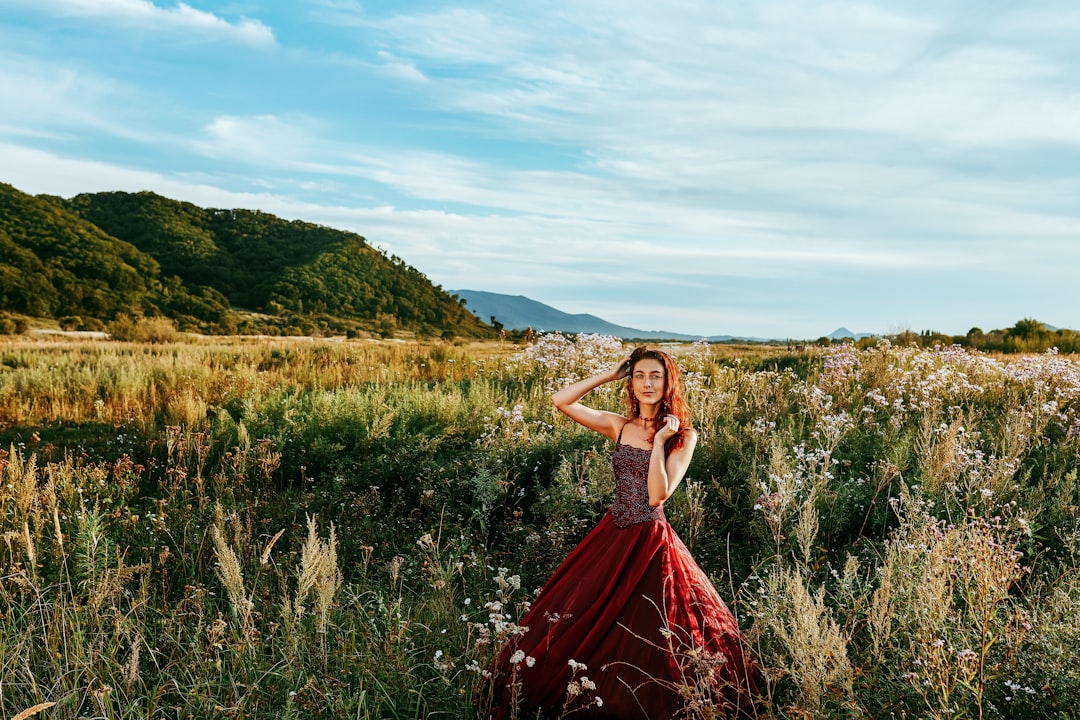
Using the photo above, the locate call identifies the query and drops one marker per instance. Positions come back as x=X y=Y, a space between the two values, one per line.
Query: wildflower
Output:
x=530 y=661
x=517 y=657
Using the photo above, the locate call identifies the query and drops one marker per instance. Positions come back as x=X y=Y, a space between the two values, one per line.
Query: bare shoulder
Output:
x=605 y=422
x=616 y=423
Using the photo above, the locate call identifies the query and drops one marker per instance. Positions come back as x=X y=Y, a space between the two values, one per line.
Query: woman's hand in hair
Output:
x=667 y=430
x=621 y=369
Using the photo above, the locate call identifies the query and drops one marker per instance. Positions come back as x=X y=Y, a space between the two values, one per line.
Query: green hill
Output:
x=98 y=255
x=54 y=263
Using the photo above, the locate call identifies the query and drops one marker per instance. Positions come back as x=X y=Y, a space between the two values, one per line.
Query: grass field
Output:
x=280 y=528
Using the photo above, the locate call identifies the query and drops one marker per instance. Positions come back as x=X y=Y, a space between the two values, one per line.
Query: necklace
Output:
x=647 y=420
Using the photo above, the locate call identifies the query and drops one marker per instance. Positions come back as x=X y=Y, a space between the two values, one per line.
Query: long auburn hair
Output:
x=672 y=403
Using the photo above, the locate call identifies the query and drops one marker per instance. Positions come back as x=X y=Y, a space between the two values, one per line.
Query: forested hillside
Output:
x=55 y=264
x=99 y=255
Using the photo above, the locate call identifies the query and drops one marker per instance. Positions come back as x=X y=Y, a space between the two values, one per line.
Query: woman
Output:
x=629 y=626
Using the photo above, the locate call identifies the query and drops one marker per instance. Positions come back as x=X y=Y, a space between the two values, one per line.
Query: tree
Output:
x=1027 y=329
x=1028 y=335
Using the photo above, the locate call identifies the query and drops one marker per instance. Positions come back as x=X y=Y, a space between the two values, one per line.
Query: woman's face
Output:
x=648 y=380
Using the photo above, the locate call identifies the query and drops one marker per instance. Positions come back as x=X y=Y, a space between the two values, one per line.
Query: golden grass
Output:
x=869 y=520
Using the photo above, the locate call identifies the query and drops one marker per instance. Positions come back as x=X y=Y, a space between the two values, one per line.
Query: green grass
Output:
x=315 y=529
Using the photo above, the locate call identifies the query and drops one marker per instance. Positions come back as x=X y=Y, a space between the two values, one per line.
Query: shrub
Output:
x=122 y=328
x=126 y=328
x=70 y=322
x=14 y=325
x=156 y=330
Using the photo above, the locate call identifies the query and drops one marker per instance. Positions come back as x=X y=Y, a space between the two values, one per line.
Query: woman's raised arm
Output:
x=568 y=401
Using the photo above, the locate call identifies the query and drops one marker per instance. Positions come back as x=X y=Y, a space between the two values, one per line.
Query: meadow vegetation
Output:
x=277 y=528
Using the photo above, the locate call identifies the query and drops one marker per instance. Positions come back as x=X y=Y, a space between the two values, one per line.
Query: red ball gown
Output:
x=632 y=606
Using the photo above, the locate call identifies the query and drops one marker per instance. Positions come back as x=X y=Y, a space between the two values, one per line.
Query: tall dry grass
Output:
x=319 y=529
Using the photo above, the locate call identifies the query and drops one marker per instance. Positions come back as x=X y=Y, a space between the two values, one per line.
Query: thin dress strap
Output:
x=619 y=439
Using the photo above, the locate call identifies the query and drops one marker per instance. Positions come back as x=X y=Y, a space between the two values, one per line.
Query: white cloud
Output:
x=36 y=171
x=34 y=94
x=899 y=218
x=977 y=96
x=612 y=77
x=456 y=35
x=393 y=67
x=145 y=14
x=262 y=140
x=42 y=99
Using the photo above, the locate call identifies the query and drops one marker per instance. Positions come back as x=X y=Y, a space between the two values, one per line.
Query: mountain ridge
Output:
x=518 y=312
x=842 y=333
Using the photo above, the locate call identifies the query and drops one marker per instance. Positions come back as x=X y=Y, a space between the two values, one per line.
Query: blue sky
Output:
x=771 y=168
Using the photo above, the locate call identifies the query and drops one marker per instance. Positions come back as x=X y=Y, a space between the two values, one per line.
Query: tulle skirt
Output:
x=629 y=626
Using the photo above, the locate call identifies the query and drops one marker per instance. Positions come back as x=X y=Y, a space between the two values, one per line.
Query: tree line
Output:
x=1026 y=336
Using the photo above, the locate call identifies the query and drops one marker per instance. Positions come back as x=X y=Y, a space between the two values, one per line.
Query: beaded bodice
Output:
x=631 y=503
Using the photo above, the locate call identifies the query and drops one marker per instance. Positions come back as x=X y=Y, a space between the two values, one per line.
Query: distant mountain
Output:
x=517 y=312
x=99 y=255
x=842 y=333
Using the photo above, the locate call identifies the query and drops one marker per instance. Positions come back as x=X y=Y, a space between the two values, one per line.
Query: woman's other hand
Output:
x=667 y=430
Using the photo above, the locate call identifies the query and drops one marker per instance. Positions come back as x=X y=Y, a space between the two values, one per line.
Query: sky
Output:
x=765 y=168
